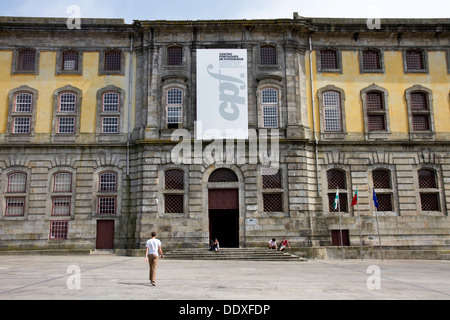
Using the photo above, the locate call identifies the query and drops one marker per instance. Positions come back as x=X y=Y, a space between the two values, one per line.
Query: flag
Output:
x=336 y=200
x=355 y=198
x=375 y=200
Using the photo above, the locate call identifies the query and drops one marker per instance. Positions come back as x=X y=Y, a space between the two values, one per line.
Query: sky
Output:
x=225 y=9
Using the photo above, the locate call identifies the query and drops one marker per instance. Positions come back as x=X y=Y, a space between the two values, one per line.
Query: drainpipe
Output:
x=130 y=101
x=314 y=115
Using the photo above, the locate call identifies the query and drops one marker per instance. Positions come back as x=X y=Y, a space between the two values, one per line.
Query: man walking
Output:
x=151 y=256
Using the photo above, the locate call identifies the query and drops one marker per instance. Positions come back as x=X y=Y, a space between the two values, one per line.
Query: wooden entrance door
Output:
x=224 y=217
x=105 y=234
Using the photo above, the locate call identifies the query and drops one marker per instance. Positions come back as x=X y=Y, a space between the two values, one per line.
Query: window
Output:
x=62 y=196
x=108 y=195
x=66 y=125
x=174 y=191
x=17 y=182
x=23 y=102
x=15 y=207
x=376 y=117
x=371 y=61
x=62 y=182
x=112 y=60
x=382 y=184
x=329 y=60
x=269 y=98
x=59 y=230
x=69 y=61
x=332 y=111
x=429 y=192
x=61 y=207
x=108 y=182
x=174 y=109
x=107 y=205
x=67 y=110
x=272 y=197
x=16 y=194
x=420 y=112
x=21 y=116
x=26 y=60
x=336 y=180
x=268 y=55
x=175 y=56
x=110 y=102
x=376 y=112
x=67 y=102
x=415 y=61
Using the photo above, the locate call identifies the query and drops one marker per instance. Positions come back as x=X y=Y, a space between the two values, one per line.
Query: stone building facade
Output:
x=346 y=107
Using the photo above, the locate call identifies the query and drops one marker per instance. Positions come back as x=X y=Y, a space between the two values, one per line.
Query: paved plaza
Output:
x=110 y=277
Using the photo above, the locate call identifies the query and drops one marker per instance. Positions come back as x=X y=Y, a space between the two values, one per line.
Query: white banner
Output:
x=222 y=94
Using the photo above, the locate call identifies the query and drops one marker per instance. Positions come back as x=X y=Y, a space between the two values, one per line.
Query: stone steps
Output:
x=253 y=254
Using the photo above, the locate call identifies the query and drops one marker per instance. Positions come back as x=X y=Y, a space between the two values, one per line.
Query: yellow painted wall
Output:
x=394 y=80
x=46 y=82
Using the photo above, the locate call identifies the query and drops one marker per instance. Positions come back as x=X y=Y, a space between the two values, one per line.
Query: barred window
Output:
x=336 y=179
x=67 y=102
x=427 y=178
x=69 y=61
x=107 y=205
x=62 y=182
x=174 y=108
x=376 y=122
x=21 y=125
x=110 y=102
x=110 y=124
x=329 y=59
x=343 y=202
x=429 y=195
x=419 y=101
x=420 y=111
x=173 y=203
x=174 y=179
x=17 y=182
x=415 y=60
x=23 y=102
x=421 y=122
x=108 y=182
x=272 y=181
x=268 y=55
x=15 y=207
x=61 y=207
x=381 y=179
x=26 y=60
x=59 y=230
x=273 y=202
x=223 y=175
x=371 y=60
x=66 y=125
x=175 y=56
x=375 y=111
x=332 y=111
x=269 y=98
x=112 y=60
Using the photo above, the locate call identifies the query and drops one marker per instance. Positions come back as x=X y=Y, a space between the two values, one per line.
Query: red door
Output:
x=224 y=199
x=105 y=234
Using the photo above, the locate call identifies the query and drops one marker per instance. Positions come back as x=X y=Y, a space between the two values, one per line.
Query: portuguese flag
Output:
x=355 y=198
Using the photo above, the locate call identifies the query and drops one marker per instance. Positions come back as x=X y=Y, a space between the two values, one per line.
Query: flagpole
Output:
x=360 y=237
x=340 y=225
x=378 y=226
x=379 y=237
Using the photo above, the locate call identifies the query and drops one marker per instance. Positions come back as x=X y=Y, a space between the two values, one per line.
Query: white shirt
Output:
x=153 y=245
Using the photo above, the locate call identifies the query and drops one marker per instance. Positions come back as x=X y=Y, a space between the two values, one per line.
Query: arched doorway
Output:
x=223 y=199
